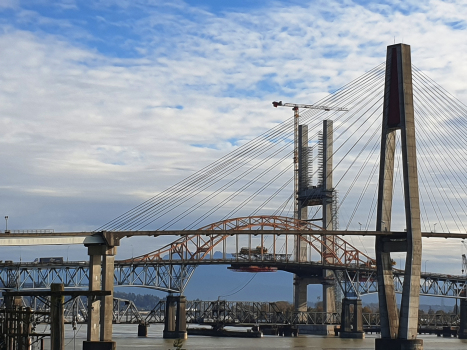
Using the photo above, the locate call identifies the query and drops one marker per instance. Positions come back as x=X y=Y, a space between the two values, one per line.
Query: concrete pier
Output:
x=100 y=310
x=462 y=333
x=351 y=327
x=142 y=330
x=57 y=325
x=175 y=317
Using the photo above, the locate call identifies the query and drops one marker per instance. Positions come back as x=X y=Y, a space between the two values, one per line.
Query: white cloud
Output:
x=80 y=122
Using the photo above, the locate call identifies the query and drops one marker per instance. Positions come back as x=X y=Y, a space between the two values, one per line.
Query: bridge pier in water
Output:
x=175 y=317
x=100 y=310
x=351 y=327
x=398 y=332
x=462 y=334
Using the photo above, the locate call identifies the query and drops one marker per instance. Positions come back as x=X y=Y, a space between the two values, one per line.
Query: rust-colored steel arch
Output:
x=262 y=222
x=193 y=248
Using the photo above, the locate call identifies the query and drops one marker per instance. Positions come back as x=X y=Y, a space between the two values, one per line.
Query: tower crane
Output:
x=295 y=108
x=297 y=105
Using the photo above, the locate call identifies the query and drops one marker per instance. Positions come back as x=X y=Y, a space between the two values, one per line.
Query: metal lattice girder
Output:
x=243 y=312
x=165 y=277
x=360 y=282
x=328 y=318
x=170 y=278
x=174 y=276
x=125 y=311
x=228 y=312
x=76 y=309
x=235 y=312
x=370 y=319
x=157 y=314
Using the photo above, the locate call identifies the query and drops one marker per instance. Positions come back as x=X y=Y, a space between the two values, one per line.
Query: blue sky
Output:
x=105 y=103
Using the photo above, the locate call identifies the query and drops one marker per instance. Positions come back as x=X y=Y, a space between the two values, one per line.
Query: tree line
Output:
x=141 y=301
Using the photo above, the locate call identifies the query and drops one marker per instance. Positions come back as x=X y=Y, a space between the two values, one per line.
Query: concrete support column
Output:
x=328 y=132
x=329 y=293
x=300 y=287
x=352 y=319
x=300 y=291
x=95 y=275
x=57 y=324
x=107 y=301
x=300 y=294
x=463 y=320
x=303 y=174
x=169 y=317
x=175 y=318
x=180 y=324
x=142 y=330
x=100 y=310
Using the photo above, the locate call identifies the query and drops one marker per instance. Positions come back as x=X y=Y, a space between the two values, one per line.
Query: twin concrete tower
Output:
x=307 y=195
x=398 y=329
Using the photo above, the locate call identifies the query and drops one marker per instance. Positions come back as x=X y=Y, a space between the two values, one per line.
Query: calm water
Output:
x=126 y=338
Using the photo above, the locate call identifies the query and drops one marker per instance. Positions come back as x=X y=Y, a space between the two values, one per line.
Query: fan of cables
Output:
x=257 y=177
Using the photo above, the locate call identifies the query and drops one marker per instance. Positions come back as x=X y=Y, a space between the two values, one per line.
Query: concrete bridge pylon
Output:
x=308 y=195
x=398 y=329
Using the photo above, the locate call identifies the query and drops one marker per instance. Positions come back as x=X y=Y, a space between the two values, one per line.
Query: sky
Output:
x=104 y=104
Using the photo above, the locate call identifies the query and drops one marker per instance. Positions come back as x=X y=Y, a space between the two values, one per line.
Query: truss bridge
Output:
x=171 y=267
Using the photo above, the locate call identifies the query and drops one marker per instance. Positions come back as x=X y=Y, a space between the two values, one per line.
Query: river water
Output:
x=126 y=338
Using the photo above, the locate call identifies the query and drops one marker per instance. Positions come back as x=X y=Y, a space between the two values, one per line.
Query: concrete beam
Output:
x=90 y=238
x=46 y=239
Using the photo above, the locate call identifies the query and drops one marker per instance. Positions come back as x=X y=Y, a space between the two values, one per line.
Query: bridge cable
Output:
x=148 y=205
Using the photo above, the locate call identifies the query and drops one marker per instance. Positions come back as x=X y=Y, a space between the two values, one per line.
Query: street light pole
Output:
x=6 y=223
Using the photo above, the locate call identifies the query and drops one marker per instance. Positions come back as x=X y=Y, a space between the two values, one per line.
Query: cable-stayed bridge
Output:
x=171 y=267
x=386 y=151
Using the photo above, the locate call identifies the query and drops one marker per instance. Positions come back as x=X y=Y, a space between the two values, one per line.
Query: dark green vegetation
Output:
x=142 y=301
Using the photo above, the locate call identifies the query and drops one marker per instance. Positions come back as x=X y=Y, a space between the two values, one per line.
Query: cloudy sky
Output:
x=105 y=103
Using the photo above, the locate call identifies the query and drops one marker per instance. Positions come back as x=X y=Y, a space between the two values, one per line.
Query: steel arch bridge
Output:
x=197 y=247
x=170 y=268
